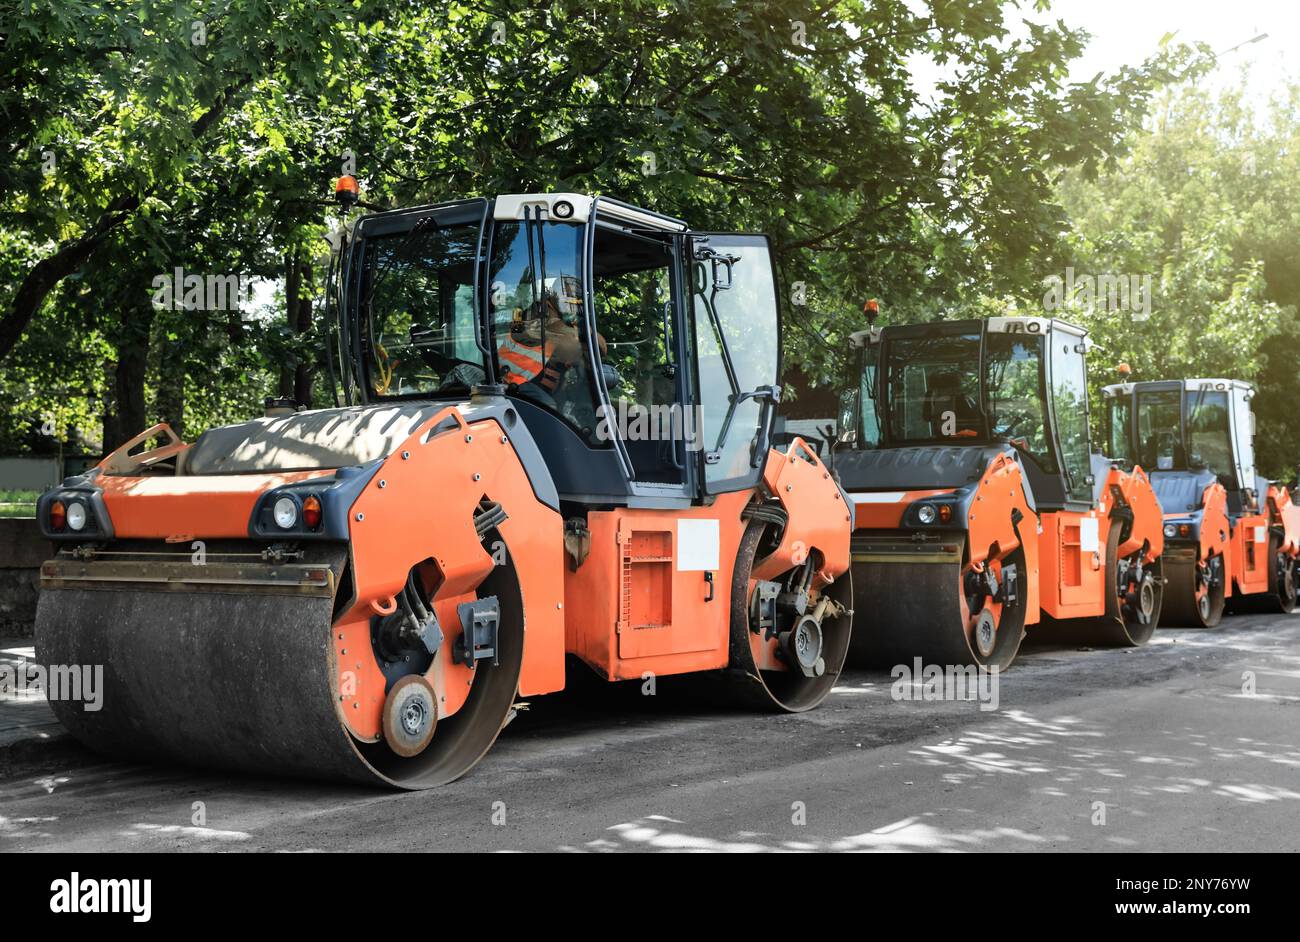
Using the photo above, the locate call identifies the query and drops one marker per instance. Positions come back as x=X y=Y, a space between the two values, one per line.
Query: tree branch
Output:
x=45 y=275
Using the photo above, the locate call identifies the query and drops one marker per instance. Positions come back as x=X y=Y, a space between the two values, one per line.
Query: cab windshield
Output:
x=931 y=387
x=417 y=311
x=1184 y=429
x=1014 y=381
x=1160 y=430
x=1120 y=429
x=932 y=393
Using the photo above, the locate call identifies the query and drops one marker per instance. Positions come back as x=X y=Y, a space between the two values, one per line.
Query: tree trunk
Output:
x=126 y=415
x=292 y=280
x=49 y=271
x=170 y=398
x=302 y=380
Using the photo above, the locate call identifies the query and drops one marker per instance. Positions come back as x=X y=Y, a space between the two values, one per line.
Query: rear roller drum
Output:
x=812 y=644
x=1134 y=597
x=1282 y=581
x=1194 y=597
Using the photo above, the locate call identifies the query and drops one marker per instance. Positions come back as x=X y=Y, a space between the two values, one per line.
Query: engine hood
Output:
x=1180 y=492
x=318 y=439
x=913 y=468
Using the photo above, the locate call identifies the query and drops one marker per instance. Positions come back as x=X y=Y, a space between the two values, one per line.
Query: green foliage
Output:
x=1204 y=204
x=801 y=121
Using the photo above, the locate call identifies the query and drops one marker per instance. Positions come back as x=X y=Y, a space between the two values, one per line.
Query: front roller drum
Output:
x=241 y=679
x=1194 y=595
x=813 y=649
x=941 y=612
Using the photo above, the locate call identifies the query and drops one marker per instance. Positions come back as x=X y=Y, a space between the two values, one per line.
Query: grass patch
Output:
x=18 y=503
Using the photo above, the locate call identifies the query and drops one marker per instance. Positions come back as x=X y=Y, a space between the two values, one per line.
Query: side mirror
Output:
x=850 y=412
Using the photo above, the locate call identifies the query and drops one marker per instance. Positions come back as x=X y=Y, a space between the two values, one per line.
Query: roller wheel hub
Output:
x=804 y=646
x=415 y=717
x=1207 y=580
x=1146 y=599
x=410 y=715
x=1286 y=576
x=985 y=634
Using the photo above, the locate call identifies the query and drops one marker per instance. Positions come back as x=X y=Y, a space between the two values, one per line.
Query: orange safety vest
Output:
x=521 y=362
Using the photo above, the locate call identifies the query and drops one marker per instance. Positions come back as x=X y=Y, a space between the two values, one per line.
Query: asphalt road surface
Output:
x=1189 y=744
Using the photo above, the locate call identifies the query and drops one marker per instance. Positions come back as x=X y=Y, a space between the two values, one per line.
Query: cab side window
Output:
x=633 y=298
x=1070 y=403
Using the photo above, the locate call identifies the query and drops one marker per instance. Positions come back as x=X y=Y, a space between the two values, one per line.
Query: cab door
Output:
x=737 y=332
x=1068 y=379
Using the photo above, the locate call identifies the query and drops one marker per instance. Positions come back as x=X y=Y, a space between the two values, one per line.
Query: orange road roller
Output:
x=980 y=508
x=1230 y=535
x=551 y=437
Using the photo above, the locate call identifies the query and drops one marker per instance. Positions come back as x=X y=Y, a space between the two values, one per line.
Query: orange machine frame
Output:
x=639 y=606
x=636 y=604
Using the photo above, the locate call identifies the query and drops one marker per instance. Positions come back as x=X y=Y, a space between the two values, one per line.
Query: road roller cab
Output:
x=551 y=438
x=1229 y=534
x=980 y=506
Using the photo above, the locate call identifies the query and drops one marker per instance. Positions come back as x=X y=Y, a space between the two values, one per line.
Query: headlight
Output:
x=1171 y=531
x=76 y=515
x=285 y=513
x=926 y=513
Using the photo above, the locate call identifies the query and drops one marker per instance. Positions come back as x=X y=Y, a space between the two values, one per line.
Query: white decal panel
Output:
x=880 y=497
x=1089 y=534
x=697 y=545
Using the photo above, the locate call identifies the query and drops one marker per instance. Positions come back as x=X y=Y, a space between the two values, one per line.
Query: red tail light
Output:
x=58 y=516
x=311 y=512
